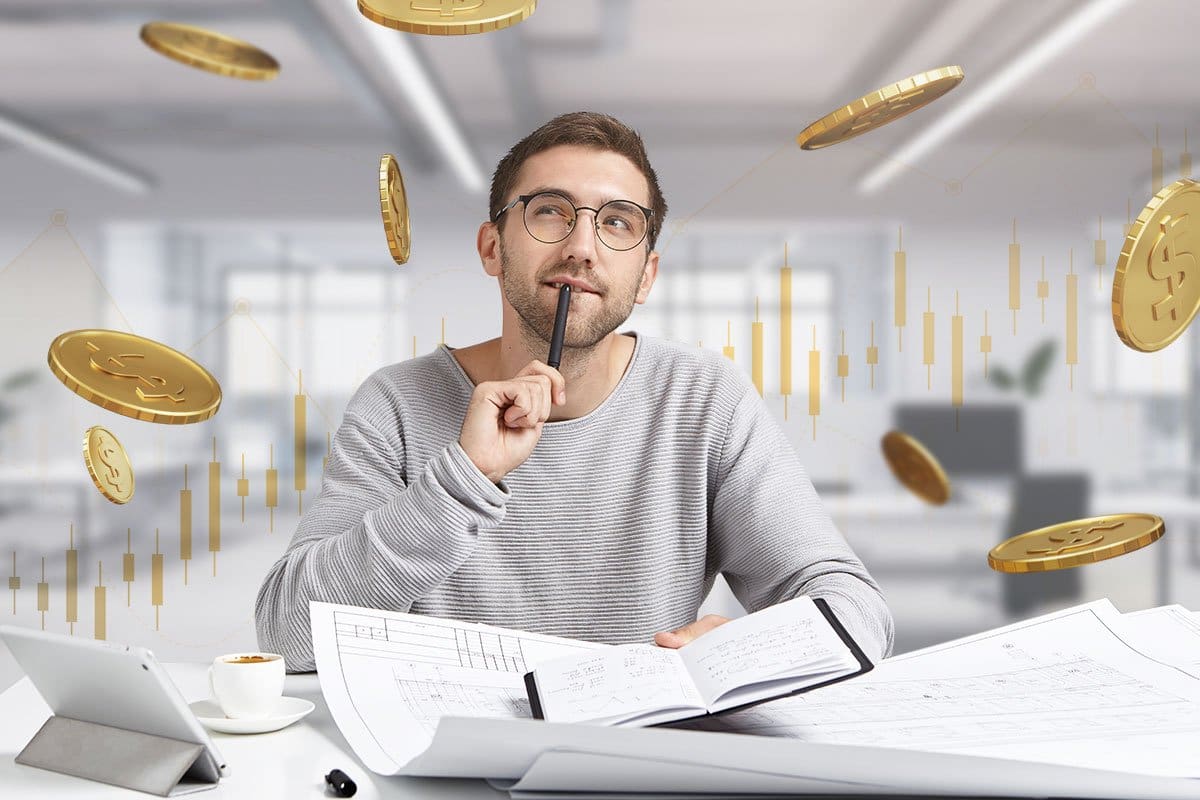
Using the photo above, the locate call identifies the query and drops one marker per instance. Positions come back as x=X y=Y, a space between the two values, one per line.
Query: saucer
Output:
x=287 y=711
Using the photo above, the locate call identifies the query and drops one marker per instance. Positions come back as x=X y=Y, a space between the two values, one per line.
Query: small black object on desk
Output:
x=341 y=783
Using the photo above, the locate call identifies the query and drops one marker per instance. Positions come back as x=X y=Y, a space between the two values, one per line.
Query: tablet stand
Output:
x=129 y=759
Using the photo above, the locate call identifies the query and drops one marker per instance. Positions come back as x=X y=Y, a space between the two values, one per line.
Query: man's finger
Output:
x=681 y=636
x=558 y=384
x=519 y=414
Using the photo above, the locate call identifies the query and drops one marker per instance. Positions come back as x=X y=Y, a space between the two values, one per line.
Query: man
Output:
x=598 y=500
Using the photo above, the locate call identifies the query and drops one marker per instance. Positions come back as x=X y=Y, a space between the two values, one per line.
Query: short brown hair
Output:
x=587 y=129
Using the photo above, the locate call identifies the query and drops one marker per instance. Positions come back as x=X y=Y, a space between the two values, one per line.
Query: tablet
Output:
x=119 y=685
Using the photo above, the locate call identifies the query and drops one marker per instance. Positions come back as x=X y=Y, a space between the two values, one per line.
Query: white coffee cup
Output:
x=247 y=685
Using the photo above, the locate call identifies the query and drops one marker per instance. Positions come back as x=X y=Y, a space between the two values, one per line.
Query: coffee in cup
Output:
x=247 y=685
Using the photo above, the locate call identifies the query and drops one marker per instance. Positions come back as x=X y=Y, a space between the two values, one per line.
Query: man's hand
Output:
x=681 y=636
x=504 y=418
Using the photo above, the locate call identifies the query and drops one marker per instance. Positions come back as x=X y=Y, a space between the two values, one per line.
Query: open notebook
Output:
x=791 y=647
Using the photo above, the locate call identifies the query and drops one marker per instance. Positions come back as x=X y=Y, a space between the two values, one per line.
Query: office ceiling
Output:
x=692 y=75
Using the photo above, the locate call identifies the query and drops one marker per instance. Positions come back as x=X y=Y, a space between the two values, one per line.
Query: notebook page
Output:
x=791 y=638
x=614 y=684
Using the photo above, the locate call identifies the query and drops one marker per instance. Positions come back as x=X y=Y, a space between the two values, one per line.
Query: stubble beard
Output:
x=536 y=317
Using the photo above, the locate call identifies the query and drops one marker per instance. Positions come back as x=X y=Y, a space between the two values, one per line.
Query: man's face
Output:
x=621 y=279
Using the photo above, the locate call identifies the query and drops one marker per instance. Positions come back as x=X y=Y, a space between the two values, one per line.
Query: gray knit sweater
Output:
x=613 y=529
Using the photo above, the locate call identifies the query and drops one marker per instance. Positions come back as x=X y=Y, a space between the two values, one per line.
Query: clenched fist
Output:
x=504 y=418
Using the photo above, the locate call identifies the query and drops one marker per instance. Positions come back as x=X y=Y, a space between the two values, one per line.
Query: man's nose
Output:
x=581 y=243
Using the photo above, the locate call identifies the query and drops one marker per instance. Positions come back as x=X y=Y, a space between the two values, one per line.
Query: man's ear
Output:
x=649 y=274
x=487 y=242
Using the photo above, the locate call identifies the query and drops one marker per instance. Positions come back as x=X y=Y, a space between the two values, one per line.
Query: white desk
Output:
x=871 y=520
x=290 y=764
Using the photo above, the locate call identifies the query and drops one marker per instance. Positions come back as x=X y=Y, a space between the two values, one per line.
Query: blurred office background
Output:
x=239 y=222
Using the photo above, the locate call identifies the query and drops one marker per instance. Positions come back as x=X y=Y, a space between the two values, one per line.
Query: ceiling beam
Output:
x=1055 y=39
x=70 y=154
x=126 y=11
x=513 y=54
x=405 y=77
x=874 y=69
x=613 y=31
x=359 y=82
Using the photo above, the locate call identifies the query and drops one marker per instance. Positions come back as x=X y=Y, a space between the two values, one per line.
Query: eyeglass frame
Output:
x=525 y=198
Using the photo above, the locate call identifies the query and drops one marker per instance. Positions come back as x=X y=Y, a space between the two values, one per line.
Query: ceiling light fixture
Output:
x=1007 y=78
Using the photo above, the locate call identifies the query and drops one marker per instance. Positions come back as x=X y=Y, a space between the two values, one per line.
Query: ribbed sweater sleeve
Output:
x=374 y=538
x=772 y=538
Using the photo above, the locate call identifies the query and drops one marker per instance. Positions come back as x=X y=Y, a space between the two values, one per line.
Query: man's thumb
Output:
x=677 y=637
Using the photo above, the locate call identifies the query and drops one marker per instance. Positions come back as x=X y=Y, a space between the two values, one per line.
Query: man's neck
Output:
x=591 y=374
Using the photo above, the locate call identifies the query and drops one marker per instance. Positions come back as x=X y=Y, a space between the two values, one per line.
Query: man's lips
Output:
x=577 y=286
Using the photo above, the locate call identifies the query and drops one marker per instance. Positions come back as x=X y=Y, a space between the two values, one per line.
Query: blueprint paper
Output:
x=1069 y=688
x=390 y=677
x=426 y=696
x=1170 y=634
x=794 y=768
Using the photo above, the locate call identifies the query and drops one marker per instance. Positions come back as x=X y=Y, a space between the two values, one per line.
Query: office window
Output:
x=718 y=303
x=1158 y=382
x=1119 y=370
x=332 y=325
x=707 y=291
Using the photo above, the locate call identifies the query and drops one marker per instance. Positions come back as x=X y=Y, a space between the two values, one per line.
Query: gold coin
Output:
x=916 y=467
x=447 y=17
x=1156 y=289
x=108 y=464
x=879 y=108
x=1080 y=541
x=210 y=51
x=393 y=202
x=133 y=376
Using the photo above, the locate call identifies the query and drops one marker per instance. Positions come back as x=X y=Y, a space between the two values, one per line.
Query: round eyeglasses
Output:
x=550 y=217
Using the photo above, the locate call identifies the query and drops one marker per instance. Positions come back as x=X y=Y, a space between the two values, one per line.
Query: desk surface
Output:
x=290 y=763
x=991 y=503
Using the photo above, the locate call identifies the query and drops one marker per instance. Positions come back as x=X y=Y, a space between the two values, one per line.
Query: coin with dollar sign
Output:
x=134 y=376
x=108 y=464
x=447 y=17
x=1080 y=541
x=880 y=107
x=916 y=467
x=393 y=203
x=210 y=51
x=1156 y=289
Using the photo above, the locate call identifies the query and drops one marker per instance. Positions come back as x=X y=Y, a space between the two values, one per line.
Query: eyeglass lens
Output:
x=549 y=218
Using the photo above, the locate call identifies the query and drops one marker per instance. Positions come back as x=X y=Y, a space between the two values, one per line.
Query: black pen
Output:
x=560 y=325
x=340 y=783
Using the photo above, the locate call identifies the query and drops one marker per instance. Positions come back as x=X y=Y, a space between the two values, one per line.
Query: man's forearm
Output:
x=388 y=558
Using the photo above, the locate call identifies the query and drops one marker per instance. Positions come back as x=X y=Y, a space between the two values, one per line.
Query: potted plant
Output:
x=1032 y=373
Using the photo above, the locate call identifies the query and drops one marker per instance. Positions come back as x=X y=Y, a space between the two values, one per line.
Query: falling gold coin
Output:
x=1156 y=289
x=394 y=204
x=879 y=108
x=447 y=17
x=133 y=376
x=1081 y=541
x=916 y=467
x=210 y=51
x=108 y=464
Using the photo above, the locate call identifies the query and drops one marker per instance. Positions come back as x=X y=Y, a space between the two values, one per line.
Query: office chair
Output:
x=1038 y=501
